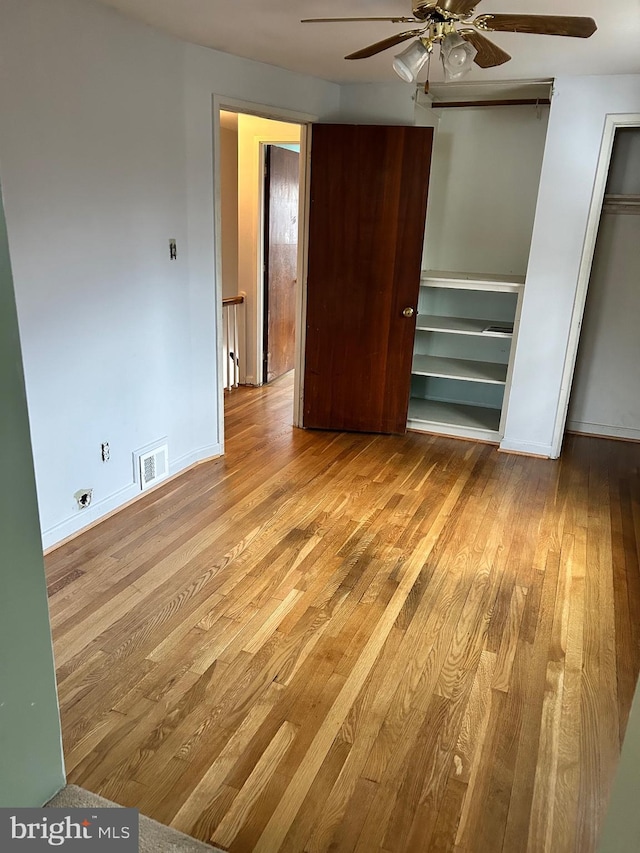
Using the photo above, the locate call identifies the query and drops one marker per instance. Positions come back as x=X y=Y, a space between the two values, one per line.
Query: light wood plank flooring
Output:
x=339 y=642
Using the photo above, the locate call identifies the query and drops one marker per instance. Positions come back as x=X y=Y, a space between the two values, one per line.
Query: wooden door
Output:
x=366 y=231
x=281 y=258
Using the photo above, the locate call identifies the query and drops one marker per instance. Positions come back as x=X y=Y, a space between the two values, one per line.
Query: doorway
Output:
x=245 y=144
x=280 y=253
x=608 y=178
x=605 y=395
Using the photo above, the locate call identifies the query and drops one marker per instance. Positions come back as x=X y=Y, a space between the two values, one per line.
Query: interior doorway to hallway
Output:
x=259 y=207
x=280 y=256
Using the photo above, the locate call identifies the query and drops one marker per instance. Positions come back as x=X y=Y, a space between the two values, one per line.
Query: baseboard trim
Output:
x=524 y=448
x=196 y=457
x=67 y=530
x=603 y=431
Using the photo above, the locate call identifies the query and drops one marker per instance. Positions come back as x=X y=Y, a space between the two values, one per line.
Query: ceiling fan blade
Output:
x=545 y=25
x=489 y=54
x=379 y=46
x=395 y=20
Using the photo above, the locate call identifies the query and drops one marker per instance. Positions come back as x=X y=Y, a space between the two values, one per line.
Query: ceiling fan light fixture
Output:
x=409 y=63
x=457 y=56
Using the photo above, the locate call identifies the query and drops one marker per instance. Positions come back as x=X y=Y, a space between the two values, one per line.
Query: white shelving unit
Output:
x=463 y=352
x=459 y=368
x=461 y=326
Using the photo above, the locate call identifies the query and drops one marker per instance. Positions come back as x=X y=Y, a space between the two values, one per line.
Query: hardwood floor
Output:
x=355 y=642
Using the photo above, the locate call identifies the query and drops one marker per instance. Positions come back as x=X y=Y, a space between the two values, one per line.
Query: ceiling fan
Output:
x=450 y=24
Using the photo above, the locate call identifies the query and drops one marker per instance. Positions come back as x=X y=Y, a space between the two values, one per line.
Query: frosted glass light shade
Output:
x=457 y=56
x=407 y=64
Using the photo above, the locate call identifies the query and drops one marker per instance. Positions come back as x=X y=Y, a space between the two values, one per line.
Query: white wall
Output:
x=377 y=103
x=106 y=149
x=93 y=165
x=483 y=190
x=576 y=126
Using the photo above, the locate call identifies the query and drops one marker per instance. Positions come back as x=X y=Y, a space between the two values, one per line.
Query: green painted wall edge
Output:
x=621 y=833
x=31 y=765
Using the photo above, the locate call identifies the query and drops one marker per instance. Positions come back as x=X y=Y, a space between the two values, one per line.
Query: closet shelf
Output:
x=440 y=415
x=462 y=326
x=626 y=204
x=459 y=368
x=472 y=281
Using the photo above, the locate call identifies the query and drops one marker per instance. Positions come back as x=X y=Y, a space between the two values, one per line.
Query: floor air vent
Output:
x=153 y=466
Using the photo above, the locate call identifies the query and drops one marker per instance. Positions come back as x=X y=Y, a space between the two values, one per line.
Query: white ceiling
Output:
x=270 y=31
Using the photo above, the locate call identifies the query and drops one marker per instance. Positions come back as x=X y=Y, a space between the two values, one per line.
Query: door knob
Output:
x=408 y=312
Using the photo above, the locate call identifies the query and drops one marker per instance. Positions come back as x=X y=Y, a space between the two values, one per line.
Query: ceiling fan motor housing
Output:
x=432 y=13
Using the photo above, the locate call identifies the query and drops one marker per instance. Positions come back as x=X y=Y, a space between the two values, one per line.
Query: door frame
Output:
x=305 y=120
x=612 y=122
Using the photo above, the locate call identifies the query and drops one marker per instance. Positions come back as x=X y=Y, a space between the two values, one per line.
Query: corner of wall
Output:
x=377 y=103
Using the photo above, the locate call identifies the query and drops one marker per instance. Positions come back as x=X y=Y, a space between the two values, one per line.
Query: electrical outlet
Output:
x=83 y=497
x=106 y=453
